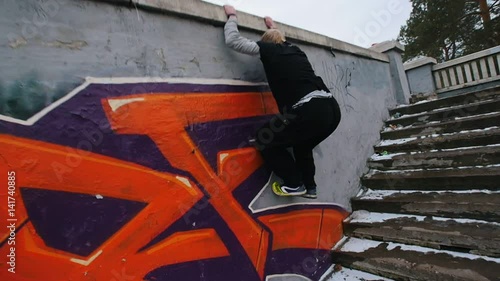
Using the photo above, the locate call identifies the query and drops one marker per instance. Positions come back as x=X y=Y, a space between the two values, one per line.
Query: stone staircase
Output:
x=430 y=207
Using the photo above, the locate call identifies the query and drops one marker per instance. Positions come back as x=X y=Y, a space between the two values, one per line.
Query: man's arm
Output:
x=233 y=38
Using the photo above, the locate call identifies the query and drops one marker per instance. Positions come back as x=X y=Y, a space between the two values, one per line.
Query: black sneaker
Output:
x=310 y=193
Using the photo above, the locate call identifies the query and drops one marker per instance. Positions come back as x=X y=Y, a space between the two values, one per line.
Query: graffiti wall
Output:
x=142 y=179
x=125 y=179
x=48 y=47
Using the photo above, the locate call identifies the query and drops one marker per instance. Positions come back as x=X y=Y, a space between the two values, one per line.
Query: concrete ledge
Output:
x=212 y=13
x=419 y=62
x=387 y=46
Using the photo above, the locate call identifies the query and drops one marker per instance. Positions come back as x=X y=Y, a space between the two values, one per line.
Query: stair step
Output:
x=446 y=141
x=455 y=157
x=415 y=263
x=447 y=102
x=473 y=204
x=484 y=121
x=487 y=177
x=447 y=113
x=461 y=235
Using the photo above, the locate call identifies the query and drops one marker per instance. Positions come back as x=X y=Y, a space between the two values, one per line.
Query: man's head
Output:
x=273 y=36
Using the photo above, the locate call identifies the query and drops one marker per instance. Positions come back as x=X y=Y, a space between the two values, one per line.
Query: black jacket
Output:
x=289 y=73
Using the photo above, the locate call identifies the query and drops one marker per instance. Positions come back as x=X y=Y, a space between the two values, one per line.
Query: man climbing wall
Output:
x=309 y=112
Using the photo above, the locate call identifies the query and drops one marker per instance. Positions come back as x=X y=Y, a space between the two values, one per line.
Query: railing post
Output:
x=420 y=76
x=393 y=49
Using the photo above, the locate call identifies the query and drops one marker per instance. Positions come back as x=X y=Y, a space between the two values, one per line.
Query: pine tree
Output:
x=447 y=29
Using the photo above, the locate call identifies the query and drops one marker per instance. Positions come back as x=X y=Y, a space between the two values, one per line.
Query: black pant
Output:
x=302 y=129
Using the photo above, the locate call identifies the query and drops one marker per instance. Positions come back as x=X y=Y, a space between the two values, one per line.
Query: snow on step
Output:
x=465 y=148
x=403 y=171
x=357 y=245
x=479 y=115
x=362 y=216
x=347 y=274
x=408 y=115
x=420 y=102
x=426 y=124
x=378 y=157
x=391 y=142
x=441 y=109
x=466 y=131
x=396 y=142
x=382 y=194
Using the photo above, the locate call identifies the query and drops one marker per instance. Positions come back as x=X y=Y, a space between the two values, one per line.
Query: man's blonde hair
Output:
x=273 y=36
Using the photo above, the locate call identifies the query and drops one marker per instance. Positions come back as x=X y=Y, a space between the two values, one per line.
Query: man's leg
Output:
x=305 y=164
x=281 y=162
x=273 y=140
x=324 y=117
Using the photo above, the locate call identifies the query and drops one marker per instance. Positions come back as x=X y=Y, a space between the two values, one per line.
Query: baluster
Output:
x=460 y=75
x=453 y=76
x=475 y=71
x=437 y=79
x=446 y=83
x=484 y=69
x=493 y=69
x=468 y=73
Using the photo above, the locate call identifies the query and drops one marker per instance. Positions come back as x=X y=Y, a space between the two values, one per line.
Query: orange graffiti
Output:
x=167 y=116
x=168 y=197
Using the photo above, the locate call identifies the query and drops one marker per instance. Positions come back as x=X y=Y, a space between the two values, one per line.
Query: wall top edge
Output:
x=209 y=12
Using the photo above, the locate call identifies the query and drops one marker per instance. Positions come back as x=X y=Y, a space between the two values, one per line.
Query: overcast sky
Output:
x=361 y=22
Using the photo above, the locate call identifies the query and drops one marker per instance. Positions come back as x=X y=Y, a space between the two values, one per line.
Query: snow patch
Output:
x=441 y=109
x=408 y=115
x=370 y=217
x=361 y=245
x=405 y=140
x=382 y=194
x=469 y=131
x=467 y=148
x=407 y=105
x=376 y=157
x=402 y=171
x=399 y=127
x=395 y=142
x=355 y=245
x=478 y=115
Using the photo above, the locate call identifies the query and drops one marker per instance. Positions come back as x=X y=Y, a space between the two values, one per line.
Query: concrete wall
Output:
x=95 y=170
x=420 y=77
x=393 y=50
x=421 y=80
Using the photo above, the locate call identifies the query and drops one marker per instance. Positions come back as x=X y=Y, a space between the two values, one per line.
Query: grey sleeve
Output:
x=237 y=42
